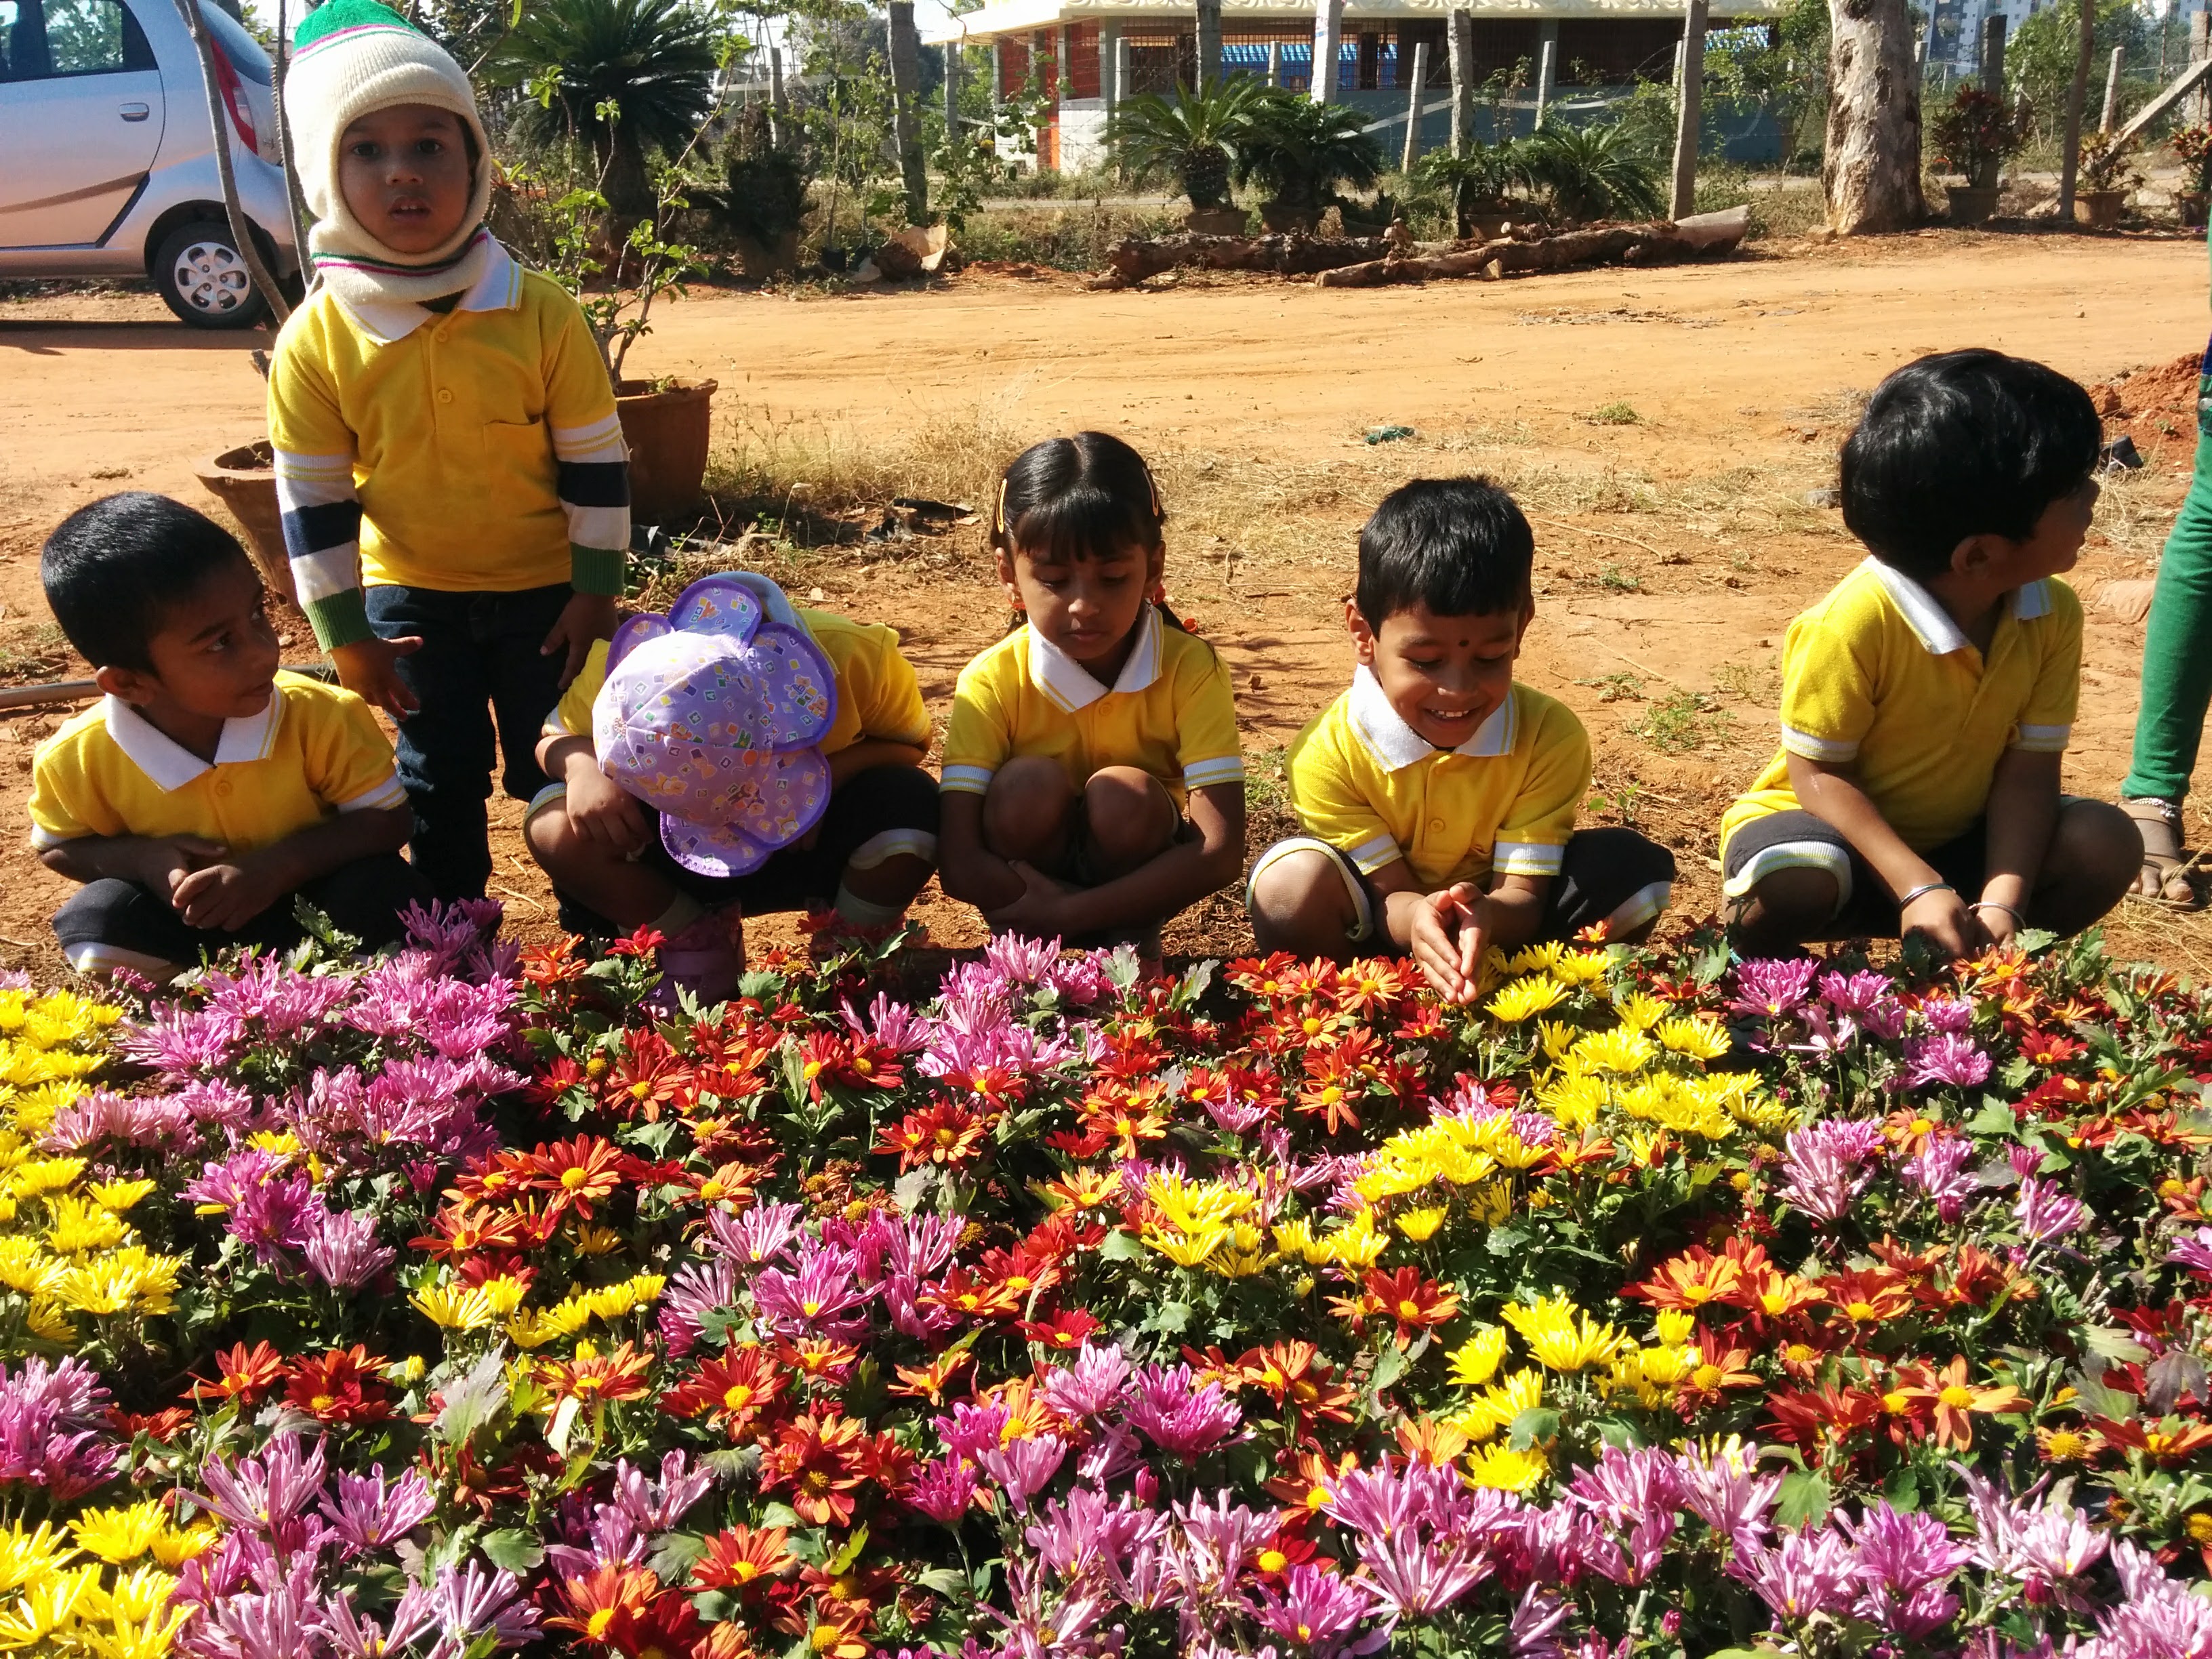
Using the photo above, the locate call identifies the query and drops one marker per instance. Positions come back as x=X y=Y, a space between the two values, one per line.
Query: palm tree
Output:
x=1594 y=172
x=1299 y=151
x=1192 y=137
x=626 y=75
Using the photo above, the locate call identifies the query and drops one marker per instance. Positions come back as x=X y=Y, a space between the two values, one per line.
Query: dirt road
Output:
x=1664 y=428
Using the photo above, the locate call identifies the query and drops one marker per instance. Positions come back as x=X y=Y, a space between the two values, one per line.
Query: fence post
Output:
x=952 y=67
x=2070 y=159
x=1328 y=34
x=2200 y=48
x=1459 y=25
x=1209 y=42
x=2113 y=90
x=1274 y=64
x=1547 y=66
x=906 y=85
x=1413 y=107
x=1688 y=110
x=1993 y=46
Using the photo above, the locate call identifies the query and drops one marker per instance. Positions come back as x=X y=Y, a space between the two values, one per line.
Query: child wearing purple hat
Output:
x=740 y=754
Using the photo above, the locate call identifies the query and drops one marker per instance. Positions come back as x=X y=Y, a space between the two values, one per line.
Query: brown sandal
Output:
x=2165 y=866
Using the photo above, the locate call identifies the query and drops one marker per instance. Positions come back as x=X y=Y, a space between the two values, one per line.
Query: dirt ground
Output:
x=1671 y=433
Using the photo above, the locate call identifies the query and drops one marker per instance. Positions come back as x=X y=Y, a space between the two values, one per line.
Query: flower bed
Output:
x=456 y=1304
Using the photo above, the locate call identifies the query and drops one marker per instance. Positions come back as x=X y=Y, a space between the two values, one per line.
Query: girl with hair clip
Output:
x=1093 y=782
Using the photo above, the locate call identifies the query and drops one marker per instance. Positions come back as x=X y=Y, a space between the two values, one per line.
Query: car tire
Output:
x=200 y=276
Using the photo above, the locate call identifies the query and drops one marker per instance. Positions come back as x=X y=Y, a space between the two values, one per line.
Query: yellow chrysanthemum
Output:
x=1357 y=1243
x=27 y=1265
x=26 y=1557
x=1621 y=1050
x=1561 y=1336
x=1558 y=1037
x=1581 y=967
x=1675 y=1327
x=1296 y=1237
x=1504 y=1469
x=1187 y=1249
x=1640 y=1011
x=45 y=1606
x=597 y=1241
x=45 y=1320
x=1490 y=1202
x=45 y=1175
x=119 y=1534
x=278 y=1143
x=1535 y=958
x=139 y=1595
x=81 y=1226
x=1191 y=1205
x=504 y=1292
x=1243 y=1253
x=1698 y=1036
x=1474 y=1362
x=173 y=1546
x=1421 y=1225
x=1526 y=997
x=119 y=1195
x=455 y=1307
x=1574 y=1100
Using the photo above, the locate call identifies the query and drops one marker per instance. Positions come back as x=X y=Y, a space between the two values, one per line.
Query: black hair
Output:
x=112 y=571
x=1085 y=497
x=1960 y=444
x=1458 y=545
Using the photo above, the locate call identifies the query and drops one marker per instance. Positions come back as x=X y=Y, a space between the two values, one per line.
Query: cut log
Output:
x=1132 y=260
x=1632 y=245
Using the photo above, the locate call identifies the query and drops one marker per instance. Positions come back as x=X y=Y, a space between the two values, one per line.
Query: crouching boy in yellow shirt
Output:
x=206 y=789
x=1439 y=794
x=1927 y=701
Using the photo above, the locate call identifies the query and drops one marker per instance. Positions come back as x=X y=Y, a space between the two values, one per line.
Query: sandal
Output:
x=2165 y=867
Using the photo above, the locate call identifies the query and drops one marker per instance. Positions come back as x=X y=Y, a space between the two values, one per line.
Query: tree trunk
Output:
x=1209 y=42
x=1689 y=112
x=624 y=184
x=1328 y=35
x=1459 y=47
x=1871 y=176
x=2070 y=157
x=241 y=228
x=906 y=112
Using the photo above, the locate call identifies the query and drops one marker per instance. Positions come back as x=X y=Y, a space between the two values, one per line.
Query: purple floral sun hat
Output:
x=712 y=714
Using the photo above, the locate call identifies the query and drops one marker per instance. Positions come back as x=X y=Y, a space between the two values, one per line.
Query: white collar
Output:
x=499 y=288
x=169 y=763
x=1932 y=625
x=1395 y=745
x=1070 y=685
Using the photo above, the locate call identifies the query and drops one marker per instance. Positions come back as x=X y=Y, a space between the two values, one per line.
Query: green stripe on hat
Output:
x=340 y=16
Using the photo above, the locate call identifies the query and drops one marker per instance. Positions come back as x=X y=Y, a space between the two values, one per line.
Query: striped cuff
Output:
x=44 y=839
x=1527 y=858
x=339 y=619
x=2043 y=739
x=595 y=569
x=969 y=779
x=1372 y=856
x=390 y=792
x=1830 y=751
x=890 y=844
x=1205 y=773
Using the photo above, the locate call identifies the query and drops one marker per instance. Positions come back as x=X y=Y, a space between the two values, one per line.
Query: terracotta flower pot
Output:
x=666 y=431
x=1970 y=204
x=2099 y=209
x=761 y=260
x=245 y=481
x=1216 y=222
x=2193 y=207
x=1281 y=221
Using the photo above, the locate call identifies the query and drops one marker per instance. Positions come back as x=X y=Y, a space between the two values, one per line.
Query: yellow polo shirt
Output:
x=1170 y=713
x=314 y=751
x=1878 y=678
x=1364 y=781
x=878 y=696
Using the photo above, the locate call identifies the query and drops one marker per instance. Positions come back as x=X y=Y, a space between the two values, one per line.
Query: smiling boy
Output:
x=1927 y=701
x=1439 y=794
x=451 y=466
x=206 y=788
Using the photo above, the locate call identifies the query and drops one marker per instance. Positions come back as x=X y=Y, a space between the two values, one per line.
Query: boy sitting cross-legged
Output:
x=1926 y=702
x=1439 y=794
x=207 y=788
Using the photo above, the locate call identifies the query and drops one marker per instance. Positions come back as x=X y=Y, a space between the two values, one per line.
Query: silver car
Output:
x=107 y=166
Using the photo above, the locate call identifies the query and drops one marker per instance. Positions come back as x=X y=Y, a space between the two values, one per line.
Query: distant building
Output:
x=1071 y=47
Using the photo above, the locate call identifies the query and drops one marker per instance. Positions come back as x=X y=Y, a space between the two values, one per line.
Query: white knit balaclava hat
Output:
x=351 y=58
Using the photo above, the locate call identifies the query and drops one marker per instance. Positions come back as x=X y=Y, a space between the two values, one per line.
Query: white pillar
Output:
x=1123 y=89
x=1413 y=106
x=1459 y=40
x=1547 y=68
x=1110 y=46
x=1689 y=114
x=1274 y=63
x=1328 y=33
x=2112 y=90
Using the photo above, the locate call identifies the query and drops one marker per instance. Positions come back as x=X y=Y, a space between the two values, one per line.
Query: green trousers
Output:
x=2177 y=668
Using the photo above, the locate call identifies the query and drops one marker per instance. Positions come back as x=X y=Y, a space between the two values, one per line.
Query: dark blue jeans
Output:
x=481 y=663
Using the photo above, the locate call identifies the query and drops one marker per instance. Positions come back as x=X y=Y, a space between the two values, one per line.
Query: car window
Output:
x=45 y=39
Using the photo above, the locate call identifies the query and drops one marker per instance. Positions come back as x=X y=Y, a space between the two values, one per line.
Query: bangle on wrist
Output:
x=2018 y=919
x=1905 y=899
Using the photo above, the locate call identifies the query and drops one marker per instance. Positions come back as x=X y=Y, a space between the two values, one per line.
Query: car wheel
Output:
x=203 y=279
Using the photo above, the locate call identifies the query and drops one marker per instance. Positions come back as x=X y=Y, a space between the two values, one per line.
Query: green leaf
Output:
x=1996 y=1118
x=1172 y=1318
x=1122 y=1247
x=2110 y=1342
x=1534 y=1426
x=517 y=1551
x=1388 y=1370
x=1804 y=1499
x=1902 y=1489
x=781 y=1515
x=944 y=1581
x=1506 y=1241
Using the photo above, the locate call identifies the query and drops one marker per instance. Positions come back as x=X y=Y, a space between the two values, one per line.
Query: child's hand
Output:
x=1944 y=920
x=165 y=861
x=1450 y=931
x=226 y=896
x=367 y=669
x=585 y=617
x=601 y=811
x=1036 y=914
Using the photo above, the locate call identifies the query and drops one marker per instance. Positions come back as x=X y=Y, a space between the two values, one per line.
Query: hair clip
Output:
x=1000 y=528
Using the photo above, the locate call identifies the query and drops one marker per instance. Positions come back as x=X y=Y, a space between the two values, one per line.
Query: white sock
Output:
x=679 y=915
x=865 y=913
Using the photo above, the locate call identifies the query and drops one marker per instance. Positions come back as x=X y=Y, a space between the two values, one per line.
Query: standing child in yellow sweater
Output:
x=455 y=488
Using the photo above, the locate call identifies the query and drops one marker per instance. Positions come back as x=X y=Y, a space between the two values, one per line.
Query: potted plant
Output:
x=762 y=201
x=2192 y=147
x=244 y=480
x=1298 y=152
x=1479 y=184
x=1975 y=134
x=2108 y=173
x=1193 y=138
x=1594 y=172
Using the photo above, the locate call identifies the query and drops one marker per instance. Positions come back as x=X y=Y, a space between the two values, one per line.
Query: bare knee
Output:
x=1025 y=810
x=2095 y=852
x=1299 y=904
x=1129 y=818
x=552 y=839
x=1788 y=907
